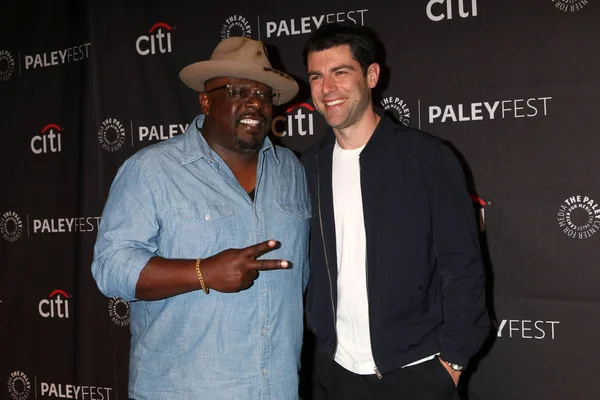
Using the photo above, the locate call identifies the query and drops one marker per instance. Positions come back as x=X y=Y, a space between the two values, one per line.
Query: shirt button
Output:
x=207 y=217
x=265 y=331
x=265 y=372
x=265 y=290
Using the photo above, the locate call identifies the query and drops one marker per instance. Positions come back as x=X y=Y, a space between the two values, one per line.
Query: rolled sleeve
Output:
x=127 y=234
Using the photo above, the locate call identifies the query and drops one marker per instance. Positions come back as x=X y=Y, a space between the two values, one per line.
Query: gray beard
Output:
x=248 y=146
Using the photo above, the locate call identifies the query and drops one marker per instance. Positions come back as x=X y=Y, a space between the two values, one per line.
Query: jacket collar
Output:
x=383 y=132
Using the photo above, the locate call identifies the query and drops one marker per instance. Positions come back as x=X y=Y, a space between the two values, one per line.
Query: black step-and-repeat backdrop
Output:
x=513 y=85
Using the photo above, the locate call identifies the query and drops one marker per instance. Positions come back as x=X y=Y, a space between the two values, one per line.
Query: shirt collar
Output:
x=195 y=146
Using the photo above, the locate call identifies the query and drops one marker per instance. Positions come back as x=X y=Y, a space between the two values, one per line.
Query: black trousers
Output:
x=425 y=381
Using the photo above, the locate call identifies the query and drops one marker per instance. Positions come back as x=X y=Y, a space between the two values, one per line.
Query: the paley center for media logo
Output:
x=579 y=217
x=397 y=108
x=19 y=386
x=11 y=226
x=236 y=25
x=119 y=311
x=569 y=5
x=111 y=134
x=7 y=65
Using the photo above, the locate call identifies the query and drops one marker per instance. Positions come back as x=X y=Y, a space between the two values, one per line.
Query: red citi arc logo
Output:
x=55 y=306
x=159 y=40
x=481 y=204
x=48 y=141
x=299 y=121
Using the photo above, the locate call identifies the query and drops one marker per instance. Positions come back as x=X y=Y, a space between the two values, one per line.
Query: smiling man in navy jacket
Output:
x=396 y=296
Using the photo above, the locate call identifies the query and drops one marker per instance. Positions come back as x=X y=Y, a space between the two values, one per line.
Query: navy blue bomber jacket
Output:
x=425 y=275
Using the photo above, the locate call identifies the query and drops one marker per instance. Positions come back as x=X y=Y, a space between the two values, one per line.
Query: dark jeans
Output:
x=425 y=381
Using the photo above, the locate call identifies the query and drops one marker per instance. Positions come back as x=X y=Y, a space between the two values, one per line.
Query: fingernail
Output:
x=284 y=264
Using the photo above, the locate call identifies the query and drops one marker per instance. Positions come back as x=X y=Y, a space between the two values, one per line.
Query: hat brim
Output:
x=195 y=76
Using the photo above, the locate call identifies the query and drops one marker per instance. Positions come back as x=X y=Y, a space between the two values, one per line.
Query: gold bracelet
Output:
x=204 y=288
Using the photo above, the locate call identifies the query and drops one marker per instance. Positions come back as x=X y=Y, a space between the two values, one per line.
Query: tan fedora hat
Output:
x=240 y=57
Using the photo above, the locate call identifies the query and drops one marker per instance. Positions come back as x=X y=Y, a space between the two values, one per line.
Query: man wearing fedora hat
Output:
x=184 y=231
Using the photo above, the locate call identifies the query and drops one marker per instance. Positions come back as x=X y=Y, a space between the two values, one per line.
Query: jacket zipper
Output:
x=325 y=252
x=379 y=375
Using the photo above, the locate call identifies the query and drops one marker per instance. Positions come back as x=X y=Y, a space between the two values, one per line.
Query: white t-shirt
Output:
x=352 y=323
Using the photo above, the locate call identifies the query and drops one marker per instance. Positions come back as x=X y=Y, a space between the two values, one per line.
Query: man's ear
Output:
x=204 y=103
x=373 y=75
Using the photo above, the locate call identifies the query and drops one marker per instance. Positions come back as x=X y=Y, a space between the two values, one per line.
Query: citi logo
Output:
x=299 y=121
x=480 y=205
x=7 y=65
x=55 y=306
x=398 y=108
x=11 y=226
x=19 y=386
x=48 y=141
x=236 y=25
x=159 y=40
x=436 y=12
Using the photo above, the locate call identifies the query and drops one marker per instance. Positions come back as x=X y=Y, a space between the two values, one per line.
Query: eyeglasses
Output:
x=243 y=92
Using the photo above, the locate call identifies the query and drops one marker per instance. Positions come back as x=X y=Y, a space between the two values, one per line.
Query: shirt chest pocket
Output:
x=206 y=212
x=299 y=211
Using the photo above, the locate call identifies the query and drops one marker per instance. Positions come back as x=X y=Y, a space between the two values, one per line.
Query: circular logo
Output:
x=398 y=108
x=7 y=65
x=579 y=217
x=236 y=25
x=569 y=5
x=111 y=135
x=118 y=309
x=11 y=226
x=19 y=386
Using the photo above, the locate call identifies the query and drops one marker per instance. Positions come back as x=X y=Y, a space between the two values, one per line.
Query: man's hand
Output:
x=234 y=270
x=454 y=374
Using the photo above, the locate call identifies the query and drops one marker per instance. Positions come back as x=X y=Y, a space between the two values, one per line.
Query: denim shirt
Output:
x=178 y=199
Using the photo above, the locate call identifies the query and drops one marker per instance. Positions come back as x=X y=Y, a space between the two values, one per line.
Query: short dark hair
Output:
x=364 y=44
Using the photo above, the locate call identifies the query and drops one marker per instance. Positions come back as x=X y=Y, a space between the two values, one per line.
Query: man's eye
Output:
x=314 y=78
x=238 y=92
